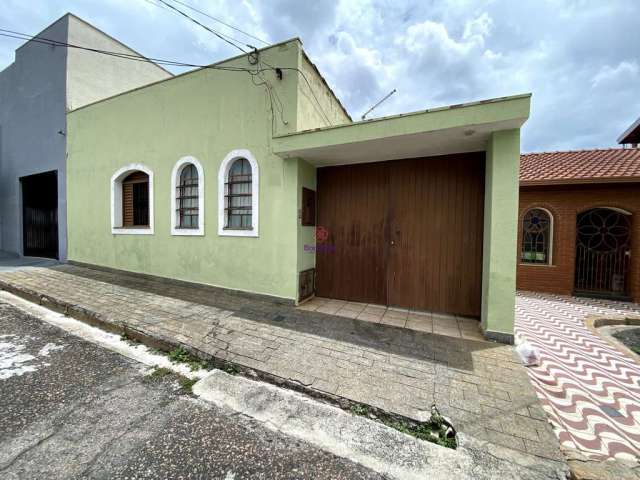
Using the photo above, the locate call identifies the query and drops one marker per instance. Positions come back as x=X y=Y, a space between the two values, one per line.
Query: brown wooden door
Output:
x=405 y=232
x=435 y=234
x=352 y=204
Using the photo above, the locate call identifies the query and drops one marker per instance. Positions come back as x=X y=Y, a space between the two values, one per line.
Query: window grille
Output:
x=536 y=236
x=187 y=197
x=238 y=192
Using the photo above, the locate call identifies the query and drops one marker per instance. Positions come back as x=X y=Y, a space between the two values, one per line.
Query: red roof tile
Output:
x=580 y=166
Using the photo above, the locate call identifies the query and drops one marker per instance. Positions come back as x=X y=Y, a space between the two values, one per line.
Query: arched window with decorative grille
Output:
x=187 y=199
x=238 y=195
x=537 y=236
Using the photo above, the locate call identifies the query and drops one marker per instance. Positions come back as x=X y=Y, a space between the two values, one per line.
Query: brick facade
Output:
x=565 y=202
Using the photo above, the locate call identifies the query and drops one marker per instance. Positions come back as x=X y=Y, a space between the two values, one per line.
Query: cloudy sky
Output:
x=580 y=58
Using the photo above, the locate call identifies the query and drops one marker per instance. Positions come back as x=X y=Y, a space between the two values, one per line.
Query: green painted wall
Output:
x=500 y=231
x=504 y=111
x=317 y=105
x=306 y=235
x=205 y=114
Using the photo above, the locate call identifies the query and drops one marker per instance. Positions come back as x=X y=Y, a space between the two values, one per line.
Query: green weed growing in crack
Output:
x=160 y=374
x=186 y=384
x=435 y=430
x=157 y=374
x=181 y=355
x=230 y=368
x=360 y=409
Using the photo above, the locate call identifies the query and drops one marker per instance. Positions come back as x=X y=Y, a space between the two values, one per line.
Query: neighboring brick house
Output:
x=579 y=232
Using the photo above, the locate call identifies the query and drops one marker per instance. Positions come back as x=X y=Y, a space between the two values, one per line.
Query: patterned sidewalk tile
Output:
x=589 y=390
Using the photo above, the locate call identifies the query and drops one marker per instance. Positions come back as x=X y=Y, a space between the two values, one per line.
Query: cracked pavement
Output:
x=71 y=409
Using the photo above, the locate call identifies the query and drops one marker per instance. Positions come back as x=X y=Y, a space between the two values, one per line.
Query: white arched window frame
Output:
x=223 y=174
x=175 y=179
x=116 y=200
x=549 y=259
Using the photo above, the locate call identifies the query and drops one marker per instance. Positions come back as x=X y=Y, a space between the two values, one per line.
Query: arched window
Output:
x=537 y=236
x=187 y=201
x=135 y=200
x=238 y=195
x=132 y=200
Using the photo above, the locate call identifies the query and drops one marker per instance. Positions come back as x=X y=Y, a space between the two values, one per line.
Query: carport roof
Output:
x=438 y=131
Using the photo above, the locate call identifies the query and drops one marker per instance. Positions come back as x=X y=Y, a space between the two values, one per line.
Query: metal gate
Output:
x=603 y=252
x=40 y=215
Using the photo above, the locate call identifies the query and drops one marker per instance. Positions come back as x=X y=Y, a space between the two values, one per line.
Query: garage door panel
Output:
x=406 y=233
x=352 y=204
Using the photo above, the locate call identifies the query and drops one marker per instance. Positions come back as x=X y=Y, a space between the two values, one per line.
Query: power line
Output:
x=300 y=72
x=173 y=63
x=220 y=36
x=176 y=12
x=324 y=114
x=126 y=56
x=220 y=21
x=257 y=72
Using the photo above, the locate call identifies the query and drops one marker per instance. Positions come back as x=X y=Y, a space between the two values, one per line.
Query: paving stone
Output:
x=505 y=440
x=477 y=384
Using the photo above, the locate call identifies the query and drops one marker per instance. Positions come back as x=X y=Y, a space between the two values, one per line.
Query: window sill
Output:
x=188 y=232
x=132 y=231
x=525 y=264
x=231 y=232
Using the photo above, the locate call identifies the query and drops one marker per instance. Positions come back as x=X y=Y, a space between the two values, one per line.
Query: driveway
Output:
x=589 y=390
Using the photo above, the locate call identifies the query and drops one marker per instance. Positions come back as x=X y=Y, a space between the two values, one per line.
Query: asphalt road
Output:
x=71 y=409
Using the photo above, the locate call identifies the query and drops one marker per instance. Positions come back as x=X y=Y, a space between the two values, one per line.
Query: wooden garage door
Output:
x=405 y=232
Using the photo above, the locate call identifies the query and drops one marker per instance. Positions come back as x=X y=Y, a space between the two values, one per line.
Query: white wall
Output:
x=91 y=76
x=35 y=93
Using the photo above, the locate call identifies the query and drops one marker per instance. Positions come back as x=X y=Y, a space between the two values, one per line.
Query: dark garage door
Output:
x=40 y=215
x=406 y=233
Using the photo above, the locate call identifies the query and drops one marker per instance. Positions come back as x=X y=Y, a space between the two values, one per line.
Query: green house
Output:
x=250 y=175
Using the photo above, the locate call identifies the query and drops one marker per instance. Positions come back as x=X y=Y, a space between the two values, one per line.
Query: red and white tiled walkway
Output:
x=589 y=390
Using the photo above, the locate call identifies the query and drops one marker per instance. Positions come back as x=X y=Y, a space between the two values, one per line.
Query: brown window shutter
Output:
x=308 y=207
x=127 y=204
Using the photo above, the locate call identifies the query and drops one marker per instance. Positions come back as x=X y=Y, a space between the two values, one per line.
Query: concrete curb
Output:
x=366 y=442
x=595 y=323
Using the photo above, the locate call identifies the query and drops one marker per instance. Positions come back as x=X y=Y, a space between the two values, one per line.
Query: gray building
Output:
x=36 y=91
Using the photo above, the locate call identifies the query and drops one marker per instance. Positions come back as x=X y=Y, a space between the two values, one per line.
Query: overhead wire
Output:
x=128 y=56
x=220 y=21
x=226 y=38
x=272 y=93
x=159 y=61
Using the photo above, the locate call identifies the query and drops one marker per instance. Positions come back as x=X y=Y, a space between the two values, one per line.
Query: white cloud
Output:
x=579 y=59
x=626 y=72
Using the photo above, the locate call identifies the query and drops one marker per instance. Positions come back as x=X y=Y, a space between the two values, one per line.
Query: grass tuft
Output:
x=435 y=430
x=181 y=355
x=157 y=374
x=160 y=374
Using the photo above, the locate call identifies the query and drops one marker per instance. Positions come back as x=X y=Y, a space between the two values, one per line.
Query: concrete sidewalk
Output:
x=478 y=384
x=10 y=262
